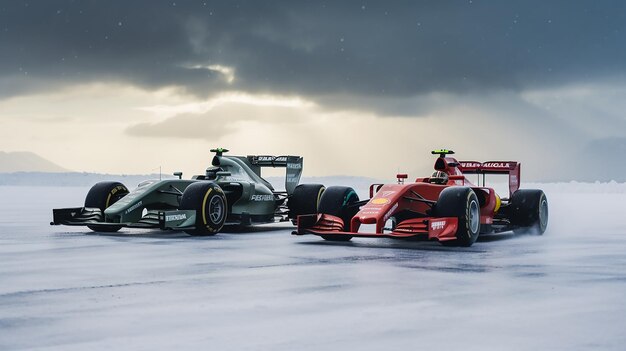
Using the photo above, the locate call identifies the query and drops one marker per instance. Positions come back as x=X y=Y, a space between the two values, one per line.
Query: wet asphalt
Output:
x=262 y=288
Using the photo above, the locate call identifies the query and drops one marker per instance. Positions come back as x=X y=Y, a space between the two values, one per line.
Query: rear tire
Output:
x=304 y=200
x=101 y=196
x=336 y=201
x=529 y=211
x=460 y=202
x=209 y=202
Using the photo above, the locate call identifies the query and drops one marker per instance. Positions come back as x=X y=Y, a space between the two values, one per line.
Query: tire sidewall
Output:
x=542 y=217
x=104 y=194
x=305 y=199
x=469 y=234
x=456 y=201
x=214 y=202
x=203 y=197
x=336 y=200
x=529 y=211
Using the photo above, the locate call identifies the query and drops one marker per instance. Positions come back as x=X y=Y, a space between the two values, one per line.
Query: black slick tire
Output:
x=528 y=211
x=101 y=196
x=304 y=200
x=209 y=202
x=460 y=202
x=336 y=201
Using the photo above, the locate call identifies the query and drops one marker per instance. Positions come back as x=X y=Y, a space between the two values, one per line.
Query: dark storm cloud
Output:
x=318 y=49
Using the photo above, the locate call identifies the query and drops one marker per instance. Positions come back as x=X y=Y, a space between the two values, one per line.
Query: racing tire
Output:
x=101 y=196
x=304 y=200
x=462 y=203
x=529 y=211
x=336 y=201
x=209 y=202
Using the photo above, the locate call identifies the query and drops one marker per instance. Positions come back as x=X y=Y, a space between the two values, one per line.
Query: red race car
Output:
x=445 y=206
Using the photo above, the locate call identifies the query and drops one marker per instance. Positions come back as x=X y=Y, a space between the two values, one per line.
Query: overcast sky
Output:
x=356 y=87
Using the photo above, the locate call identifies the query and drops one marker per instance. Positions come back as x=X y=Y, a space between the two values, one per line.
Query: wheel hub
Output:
x=474 y=217
x=216 y=209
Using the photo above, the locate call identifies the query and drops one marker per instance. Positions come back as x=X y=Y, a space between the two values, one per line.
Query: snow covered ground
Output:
x=70 y=289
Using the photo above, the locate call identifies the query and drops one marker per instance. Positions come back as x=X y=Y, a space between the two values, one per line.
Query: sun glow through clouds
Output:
x=227 y=98
x=228 y=73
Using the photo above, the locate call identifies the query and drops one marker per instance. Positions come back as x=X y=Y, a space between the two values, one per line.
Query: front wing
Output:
x=427 y=228
x=93 y=217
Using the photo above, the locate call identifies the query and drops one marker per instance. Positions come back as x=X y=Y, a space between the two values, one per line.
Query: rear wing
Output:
x=293 y=164
x=511 y=168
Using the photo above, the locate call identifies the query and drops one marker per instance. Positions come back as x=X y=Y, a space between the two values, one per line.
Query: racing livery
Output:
x=231 y=192
x=446 y=207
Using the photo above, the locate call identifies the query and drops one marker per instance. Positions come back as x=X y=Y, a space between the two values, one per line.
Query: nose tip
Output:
x=367 y=220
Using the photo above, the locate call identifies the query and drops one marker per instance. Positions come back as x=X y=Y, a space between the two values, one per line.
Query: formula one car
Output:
x=231 y=191
x=446 y=206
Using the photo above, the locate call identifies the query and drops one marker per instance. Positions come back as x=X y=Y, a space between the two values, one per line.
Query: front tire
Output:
x=460 y=202
x=529 y=211
x=209 y=202
x=336 y=201
x=101 y=196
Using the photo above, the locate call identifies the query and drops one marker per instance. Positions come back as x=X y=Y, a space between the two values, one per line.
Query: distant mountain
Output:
x=72 y=178
x=26 y=162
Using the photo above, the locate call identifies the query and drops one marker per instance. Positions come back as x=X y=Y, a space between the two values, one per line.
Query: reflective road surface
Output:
x=264 y=289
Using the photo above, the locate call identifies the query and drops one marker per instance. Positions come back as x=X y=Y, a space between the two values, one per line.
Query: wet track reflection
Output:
x=69 y=288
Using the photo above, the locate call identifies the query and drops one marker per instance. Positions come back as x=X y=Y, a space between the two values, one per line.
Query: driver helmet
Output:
x=439 y=177
x=211 y=172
